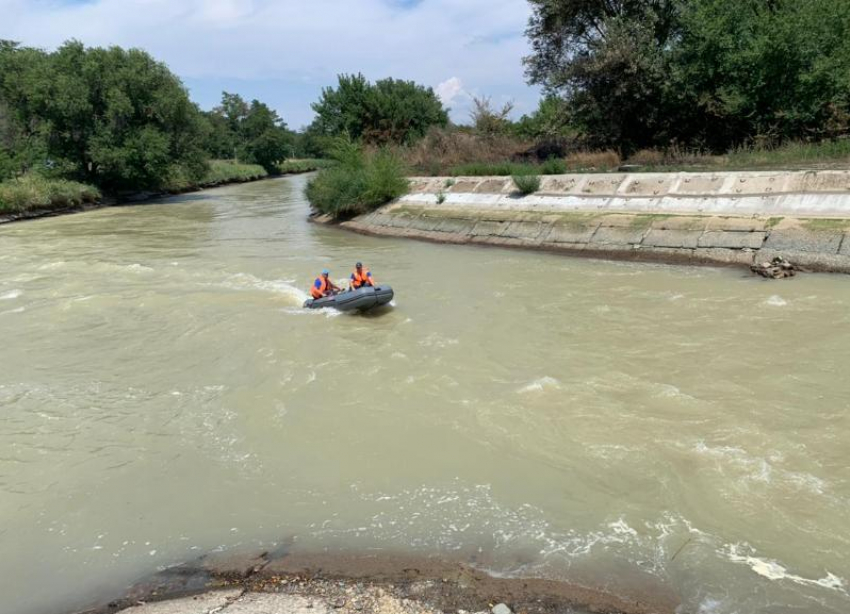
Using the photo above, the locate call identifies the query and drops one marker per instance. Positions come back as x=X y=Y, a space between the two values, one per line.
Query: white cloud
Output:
x=225 y=12
x=301 y=44
x=448 y=90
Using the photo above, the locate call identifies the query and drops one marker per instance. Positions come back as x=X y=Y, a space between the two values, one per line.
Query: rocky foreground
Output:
x=360 y=584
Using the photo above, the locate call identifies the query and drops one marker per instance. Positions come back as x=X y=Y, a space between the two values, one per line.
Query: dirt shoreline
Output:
x=365 y=583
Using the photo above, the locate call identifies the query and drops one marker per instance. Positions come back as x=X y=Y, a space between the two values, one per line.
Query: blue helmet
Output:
x=325 y=272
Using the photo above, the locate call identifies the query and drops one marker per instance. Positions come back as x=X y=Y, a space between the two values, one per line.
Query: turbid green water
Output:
x=162 y=393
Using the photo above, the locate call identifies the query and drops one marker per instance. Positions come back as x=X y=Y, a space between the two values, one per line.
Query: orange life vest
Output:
x=320 y=287
x=362 y=279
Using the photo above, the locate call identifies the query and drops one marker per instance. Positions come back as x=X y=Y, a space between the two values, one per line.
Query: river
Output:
x=163 y=394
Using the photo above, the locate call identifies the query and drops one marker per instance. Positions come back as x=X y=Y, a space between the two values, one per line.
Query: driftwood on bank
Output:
x=778 y=268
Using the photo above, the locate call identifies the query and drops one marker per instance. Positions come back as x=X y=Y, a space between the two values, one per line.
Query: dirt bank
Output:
x=350 y=583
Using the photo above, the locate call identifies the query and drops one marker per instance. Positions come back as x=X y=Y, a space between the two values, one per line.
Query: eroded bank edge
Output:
x=345 y=581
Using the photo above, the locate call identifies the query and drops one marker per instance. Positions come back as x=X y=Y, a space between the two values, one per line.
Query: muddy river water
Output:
x=629 y=426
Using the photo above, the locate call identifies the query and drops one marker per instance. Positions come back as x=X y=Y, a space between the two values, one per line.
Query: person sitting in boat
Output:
x=323 y=286
x=361 y=277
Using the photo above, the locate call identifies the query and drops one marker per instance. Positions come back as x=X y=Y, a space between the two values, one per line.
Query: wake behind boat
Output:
x=362 y=299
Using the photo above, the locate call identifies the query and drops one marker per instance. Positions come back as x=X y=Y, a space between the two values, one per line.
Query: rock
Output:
x=501 y=608
x=234 y=565
x=778 y=268
x=338 y=603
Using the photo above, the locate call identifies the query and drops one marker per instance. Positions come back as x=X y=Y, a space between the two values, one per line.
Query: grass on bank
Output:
x=790 y=156
x=291 y=167
x=527 y=184
x=359 y=182
x=221 y=172
x=33 y=192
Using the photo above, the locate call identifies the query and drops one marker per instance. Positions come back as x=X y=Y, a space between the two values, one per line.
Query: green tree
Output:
x=608 y=60
x=388 y=111
x=112 y=117
x=706 y=73
x=551 y=120
x=488 y=120
x=253 y=133
x=758 y=70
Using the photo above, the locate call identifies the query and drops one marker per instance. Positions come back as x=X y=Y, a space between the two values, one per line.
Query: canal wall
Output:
x=732 y=218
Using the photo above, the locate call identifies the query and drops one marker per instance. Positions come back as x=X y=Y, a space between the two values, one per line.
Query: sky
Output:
x=283 y=52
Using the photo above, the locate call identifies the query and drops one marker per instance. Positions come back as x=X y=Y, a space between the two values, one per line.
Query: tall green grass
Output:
x=527 y=184
x=359 y=181
x=219 y=172
x=34 y=192
x=791 y=155
x=229 y=171
x=291 y=167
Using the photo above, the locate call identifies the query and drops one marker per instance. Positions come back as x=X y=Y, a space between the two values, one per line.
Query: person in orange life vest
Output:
x=361 y=277
x=323 y=286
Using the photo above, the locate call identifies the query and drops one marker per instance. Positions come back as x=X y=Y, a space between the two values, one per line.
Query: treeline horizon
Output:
x=621 y=76
x=122 y=121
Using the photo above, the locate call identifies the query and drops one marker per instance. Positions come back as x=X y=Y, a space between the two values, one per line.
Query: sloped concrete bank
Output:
x=700 y=218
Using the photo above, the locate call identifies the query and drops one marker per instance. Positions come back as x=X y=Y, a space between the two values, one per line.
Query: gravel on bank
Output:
x=263 y=583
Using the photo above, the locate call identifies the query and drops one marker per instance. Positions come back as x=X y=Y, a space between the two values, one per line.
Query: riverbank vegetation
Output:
x=362 y=126
x=80 y=121
x=291 y=167
x=359 y=181
x=33 y=192
x=646 y=84
x=654 y=85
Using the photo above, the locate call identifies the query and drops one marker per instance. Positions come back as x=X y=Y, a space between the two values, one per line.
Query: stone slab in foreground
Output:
x=373 y=583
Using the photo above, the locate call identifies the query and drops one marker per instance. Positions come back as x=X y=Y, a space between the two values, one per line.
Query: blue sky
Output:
x=284 y=51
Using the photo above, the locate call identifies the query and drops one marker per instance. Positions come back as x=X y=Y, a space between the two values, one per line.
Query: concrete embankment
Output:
x=709 y=218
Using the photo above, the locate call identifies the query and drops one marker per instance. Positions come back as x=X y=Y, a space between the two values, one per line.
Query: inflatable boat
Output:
x=362 y=299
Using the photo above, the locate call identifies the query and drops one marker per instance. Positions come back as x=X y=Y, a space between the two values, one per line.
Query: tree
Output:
x=388 y=111
x=709 y=74
x=111 y=117
x=487 y=120
x=608 y=60
x=253 y=133
x=766 y=71
x=551 y=120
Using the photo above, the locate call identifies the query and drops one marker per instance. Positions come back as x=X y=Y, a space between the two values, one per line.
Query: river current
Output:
x=164 y=394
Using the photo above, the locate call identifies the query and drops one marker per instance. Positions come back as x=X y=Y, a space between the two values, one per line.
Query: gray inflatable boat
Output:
x=362 y=299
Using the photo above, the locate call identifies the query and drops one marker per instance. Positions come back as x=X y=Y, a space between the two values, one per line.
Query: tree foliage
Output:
x=389 y=111
x=705 y=73
x=112 y=117
x=251 y=133
x=488 y=120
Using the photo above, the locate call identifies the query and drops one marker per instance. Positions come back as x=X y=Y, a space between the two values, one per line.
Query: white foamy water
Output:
x=772 y=570
x=541 y=384
x=776 y=301
x=638 y=428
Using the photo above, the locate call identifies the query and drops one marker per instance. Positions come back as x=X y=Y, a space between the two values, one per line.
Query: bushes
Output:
x=291 y=167
x=33 y=192
x=358 y=183
x=594 y=160
x=445 y=149
x=793 y=154
x=229 y=171
x=527 y=184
